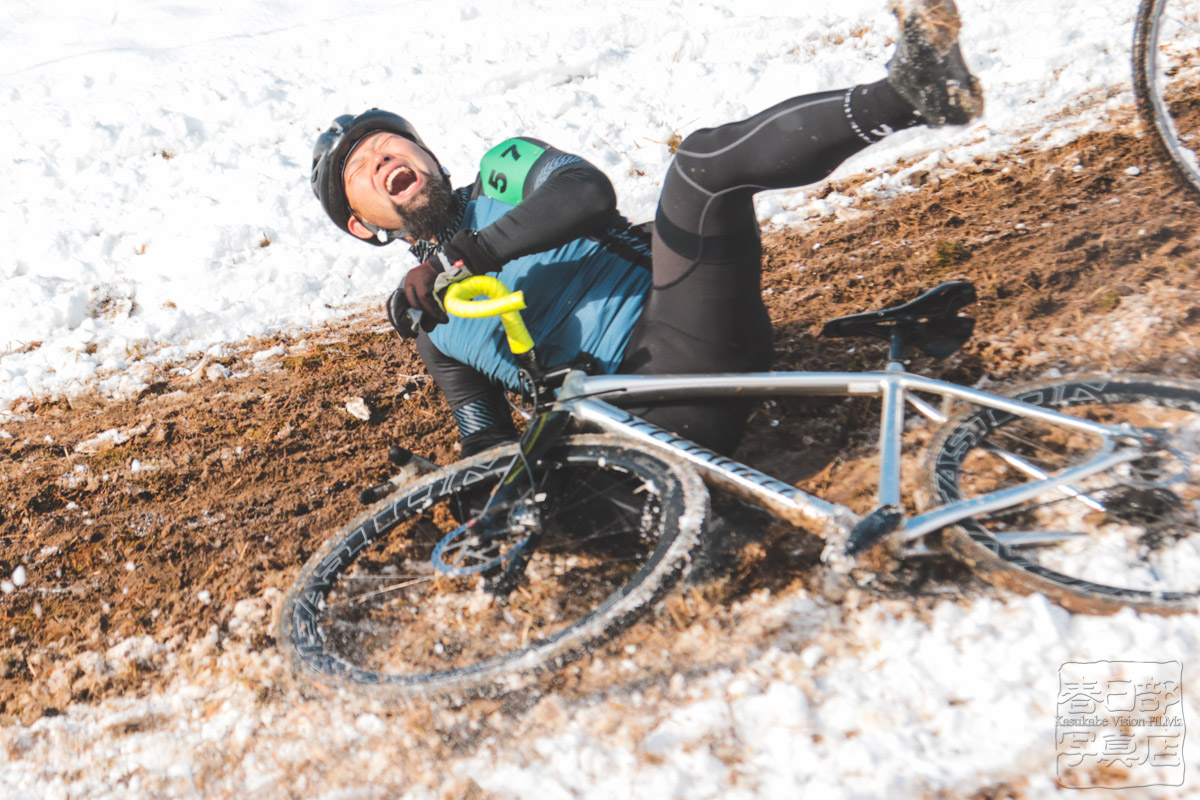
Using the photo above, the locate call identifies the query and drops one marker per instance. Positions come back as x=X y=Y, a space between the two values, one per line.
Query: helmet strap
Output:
x=384 y=235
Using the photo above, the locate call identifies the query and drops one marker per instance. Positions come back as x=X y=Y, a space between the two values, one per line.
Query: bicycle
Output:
x=1166 y=57
x=509 y=564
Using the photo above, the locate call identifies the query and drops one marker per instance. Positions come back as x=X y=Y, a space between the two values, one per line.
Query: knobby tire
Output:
x=1142 y=550
x=369 y=612
x=1165 y=78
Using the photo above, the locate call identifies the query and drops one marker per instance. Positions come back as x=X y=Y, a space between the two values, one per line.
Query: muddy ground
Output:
x=154 y=516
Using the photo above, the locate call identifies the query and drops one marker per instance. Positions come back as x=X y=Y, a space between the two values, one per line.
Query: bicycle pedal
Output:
x=872 y=529
x=409 y=461
x=412 y=466
x=376 y=493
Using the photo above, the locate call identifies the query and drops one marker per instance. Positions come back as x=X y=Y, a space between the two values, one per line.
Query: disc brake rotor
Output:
x=487 y=542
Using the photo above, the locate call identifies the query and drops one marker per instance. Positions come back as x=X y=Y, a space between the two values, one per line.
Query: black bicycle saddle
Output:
x=930 y=323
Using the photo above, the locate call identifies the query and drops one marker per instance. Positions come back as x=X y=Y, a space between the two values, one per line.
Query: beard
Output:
x=432 y=210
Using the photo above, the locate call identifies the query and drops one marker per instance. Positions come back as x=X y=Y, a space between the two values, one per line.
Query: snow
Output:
x=848 y=700
x=963 y=700
x=157 y=210
x=156 y=155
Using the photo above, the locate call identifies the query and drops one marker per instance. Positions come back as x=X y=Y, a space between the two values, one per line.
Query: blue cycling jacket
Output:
x=581 y=297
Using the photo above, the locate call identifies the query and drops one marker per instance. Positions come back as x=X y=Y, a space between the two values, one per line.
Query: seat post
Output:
x=896 y=350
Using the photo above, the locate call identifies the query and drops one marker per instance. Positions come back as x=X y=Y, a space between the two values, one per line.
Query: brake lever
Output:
x=539 y=386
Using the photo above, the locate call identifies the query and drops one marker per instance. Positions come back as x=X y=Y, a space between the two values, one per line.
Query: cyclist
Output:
x=682 y=295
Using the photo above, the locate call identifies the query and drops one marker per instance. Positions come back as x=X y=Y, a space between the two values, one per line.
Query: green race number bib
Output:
x=505 y=167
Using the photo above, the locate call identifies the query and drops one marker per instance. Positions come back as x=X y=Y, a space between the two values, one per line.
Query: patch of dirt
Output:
x=153 y=517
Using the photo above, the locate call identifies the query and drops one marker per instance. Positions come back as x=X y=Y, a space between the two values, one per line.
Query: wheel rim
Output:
x=1131 y=535
x=1169 y=63
x=384 y=614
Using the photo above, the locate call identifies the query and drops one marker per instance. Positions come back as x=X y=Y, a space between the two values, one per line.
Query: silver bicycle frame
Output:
x=588 y=399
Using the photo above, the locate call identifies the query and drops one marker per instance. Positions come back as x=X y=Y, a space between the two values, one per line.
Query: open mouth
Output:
x=400 y=180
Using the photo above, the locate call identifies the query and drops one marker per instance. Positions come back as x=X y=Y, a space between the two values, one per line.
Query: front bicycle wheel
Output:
x=1129 y=536
x=1166 y=79
x=403 y=602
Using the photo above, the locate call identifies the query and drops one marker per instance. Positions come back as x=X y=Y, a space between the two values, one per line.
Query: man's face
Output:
x=394 y=183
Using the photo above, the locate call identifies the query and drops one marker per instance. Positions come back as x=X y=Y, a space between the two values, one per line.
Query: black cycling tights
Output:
x=705 y=312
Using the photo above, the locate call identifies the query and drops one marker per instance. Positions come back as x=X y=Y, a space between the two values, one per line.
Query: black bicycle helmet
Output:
x=332 y=149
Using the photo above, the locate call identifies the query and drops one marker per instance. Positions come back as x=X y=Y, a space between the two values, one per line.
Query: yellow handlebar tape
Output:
x=461 y=302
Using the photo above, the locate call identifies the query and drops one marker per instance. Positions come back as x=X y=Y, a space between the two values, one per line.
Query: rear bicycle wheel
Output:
x=398 y=604
x=1129 y=536
x=1166 y=80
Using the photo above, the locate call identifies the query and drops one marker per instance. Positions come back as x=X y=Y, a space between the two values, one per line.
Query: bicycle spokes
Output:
x=1127 y=535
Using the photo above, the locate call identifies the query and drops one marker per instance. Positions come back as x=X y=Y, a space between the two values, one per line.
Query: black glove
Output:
x=419 y=290
x=404 y=318
x=466 y=247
